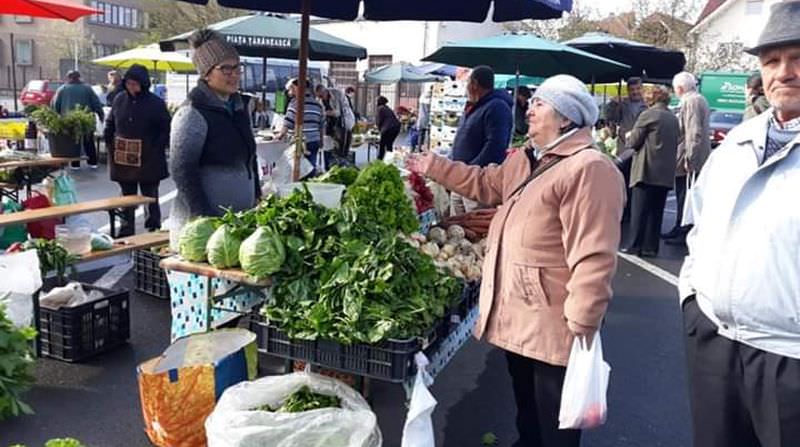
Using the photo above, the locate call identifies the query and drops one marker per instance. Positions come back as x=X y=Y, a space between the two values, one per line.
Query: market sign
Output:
x=724 y=91
x=258 y=41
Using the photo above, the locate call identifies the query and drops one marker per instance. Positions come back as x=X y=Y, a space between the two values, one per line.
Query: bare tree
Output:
x=707 y=53
x=166 y=19
x=581 y=20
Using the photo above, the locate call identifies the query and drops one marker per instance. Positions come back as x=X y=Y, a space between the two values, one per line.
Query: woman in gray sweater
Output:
x=212 y=149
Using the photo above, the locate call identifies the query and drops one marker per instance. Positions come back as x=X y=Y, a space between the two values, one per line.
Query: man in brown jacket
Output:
x=693 y=148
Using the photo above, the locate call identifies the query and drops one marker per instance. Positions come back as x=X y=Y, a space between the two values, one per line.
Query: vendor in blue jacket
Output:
x=485 y=129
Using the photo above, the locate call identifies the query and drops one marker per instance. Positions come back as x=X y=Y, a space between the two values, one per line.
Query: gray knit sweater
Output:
x=206 y=185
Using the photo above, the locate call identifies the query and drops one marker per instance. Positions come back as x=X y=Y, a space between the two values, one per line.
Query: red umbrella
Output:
x=51 y=9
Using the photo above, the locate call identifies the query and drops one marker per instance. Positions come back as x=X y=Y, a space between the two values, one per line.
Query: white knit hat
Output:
x=569 y=97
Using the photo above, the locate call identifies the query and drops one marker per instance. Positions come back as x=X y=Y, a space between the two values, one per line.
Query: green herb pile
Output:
x=52 y=257
x=76 y=123
x=343 y=274
x=340 y=175
x=304 y=400
x=379 y=196
x=16 y=367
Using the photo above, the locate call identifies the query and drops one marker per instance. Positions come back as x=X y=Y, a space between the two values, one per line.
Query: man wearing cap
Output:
x=740 y=283
x=76 y=94
x=552 y=249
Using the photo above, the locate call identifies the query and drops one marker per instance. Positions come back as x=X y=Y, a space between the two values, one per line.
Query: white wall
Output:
x=733 y=24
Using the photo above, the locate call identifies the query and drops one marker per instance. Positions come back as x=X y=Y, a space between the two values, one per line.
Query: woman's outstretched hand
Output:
x=419 y=163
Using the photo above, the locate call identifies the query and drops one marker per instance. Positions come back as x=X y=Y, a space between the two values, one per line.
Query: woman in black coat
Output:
x=389 y=126
x=137 y=135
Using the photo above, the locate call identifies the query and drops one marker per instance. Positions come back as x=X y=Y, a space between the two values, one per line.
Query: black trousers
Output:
x=740 y=396
x=89 y=149
x=537 y=391
x=387 y=141
x=647 y=213
x=344 y=144
x=152 y=212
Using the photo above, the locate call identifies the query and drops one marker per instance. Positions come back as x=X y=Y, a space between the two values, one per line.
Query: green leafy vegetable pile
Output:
x=52 y=257
x=379 y=197
x=338 y=274
x=340 y=175
x=305 y=400
x=16 y=367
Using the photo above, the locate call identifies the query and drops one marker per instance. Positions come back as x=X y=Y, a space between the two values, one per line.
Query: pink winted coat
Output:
x=551 y=252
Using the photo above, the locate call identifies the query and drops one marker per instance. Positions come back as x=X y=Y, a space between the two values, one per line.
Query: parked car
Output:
x=39 y=92
x=721 y=122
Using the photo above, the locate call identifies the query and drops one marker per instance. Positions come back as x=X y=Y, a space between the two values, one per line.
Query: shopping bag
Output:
x=21 y=279
x=11 y=234
x=583 y=397
x=44 y=229
x=418 y=430
x=688 y=216
x=179 y=389
x=64 y=191
x=240 y=418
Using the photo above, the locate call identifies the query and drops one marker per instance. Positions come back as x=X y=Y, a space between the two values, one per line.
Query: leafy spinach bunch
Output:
x=379 y=199
x=16 y=367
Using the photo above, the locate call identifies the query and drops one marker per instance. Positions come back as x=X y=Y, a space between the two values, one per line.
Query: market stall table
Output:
x=27 y=165
x=113 y=205
x=203 y=297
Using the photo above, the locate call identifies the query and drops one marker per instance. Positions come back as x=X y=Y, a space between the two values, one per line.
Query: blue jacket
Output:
x=484 y=132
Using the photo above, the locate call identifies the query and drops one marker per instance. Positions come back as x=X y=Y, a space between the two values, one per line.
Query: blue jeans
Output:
x=313 y=150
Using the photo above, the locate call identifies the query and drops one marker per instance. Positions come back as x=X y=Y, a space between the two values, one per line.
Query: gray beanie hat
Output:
x=210 y=49
x=569 y=97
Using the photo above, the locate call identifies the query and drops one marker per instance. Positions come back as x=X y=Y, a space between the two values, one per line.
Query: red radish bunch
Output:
x=423 y=197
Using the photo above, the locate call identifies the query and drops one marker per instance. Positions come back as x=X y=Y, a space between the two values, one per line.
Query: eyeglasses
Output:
x=230 y=69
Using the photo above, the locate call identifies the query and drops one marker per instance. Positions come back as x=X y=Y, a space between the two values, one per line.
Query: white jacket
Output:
x=744 y=249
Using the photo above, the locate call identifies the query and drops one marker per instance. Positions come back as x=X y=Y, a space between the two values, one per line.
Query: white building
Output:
x=406 y=41
x=725 y=27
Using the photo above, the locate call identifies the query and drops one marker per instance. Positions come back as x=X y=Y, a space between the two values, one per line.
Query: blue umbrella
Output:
x=461 y=10
x=438 y=69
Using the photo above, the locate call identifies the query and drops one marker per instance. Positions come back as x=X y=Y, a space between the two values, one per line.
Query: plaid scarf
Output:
x=778 y=136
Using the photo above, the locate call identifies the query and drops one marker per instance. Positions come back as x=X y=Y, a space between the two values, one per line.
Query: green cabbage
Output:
x=194 y=238
x=223 y=248
x=263 y=253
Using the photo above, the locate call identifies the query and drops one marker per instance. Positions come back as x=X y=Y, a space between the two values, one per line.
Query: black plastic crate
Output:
x=392 y=360
x=75 y=333
x=150 y=278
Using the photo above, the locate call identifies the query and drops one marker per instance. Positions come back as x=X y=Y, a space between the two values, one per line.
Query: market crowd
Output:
x=555 y=208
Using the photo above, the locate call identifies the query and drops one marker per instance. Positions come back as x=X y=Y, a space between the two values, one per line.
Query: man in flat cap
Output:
x=740 y=283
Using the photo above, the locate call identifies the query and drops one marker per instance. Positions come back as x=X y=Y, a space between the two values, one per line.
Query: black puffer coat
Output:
x=137 y=133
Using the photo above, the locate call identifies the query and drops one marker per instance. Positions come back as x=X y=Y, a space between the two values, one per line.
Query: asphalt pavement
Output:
x=97 y=401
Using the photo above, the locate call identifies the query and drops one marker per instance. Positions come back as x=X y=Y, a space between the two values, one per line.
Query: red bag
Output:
x=45 y=229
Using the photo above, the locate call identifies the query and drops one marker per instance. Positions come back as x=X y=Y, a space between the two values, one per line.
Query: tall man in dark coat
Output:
x=137 y=135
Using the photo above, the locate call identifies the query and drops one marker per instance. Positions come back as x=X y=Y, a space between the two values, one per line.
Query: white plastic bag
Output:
x=282 y=174
x=418 y=431
x=235 y=422
x=583 y=397
x=70 y=295
x=21 y=279
x=688 y=203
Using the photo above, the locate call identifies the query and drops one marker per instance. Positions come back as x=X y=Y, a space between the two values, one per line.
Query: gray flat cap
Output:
x=781 y=29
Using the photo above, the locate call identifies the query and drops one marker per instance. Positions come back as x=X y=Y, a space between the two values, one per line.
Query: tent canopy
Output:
x=527 y=54
x=259 y=35
x=398 y=72
x=151 y=57
x=463 y=10
x=48 y=9
x=645 y=60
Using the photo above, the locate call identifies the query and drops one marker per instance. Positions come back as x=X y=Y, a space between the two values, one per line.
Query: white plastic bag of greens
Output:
x=240 y=418
x=282 y=174
x=418 y=431
x=21 y=279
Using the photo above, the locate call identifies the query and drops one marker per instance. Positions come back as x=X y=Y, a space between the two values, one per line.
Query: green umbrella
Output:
x=398 y=72
x=527 y=54
x=511 y=81
x=269 y=36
